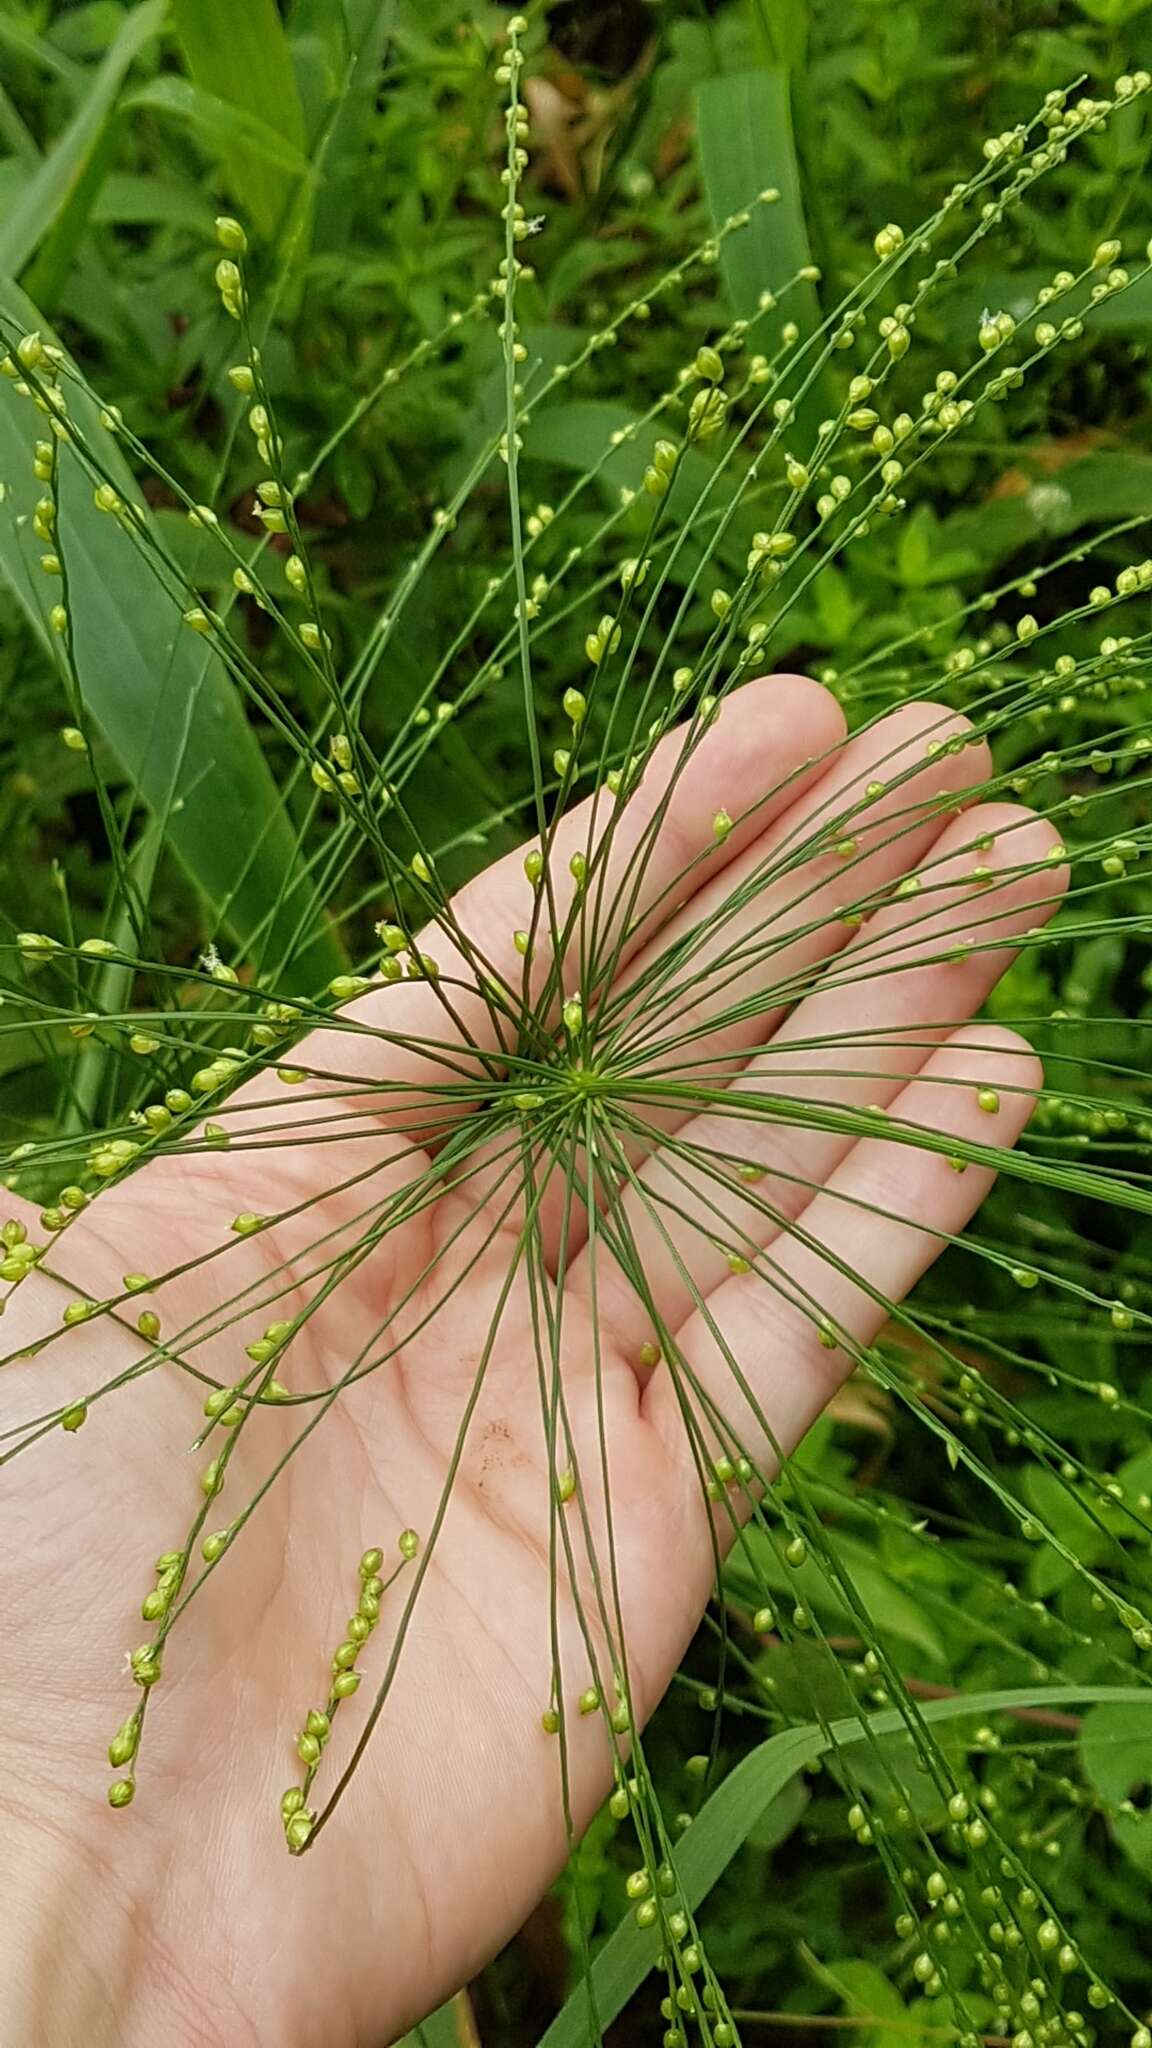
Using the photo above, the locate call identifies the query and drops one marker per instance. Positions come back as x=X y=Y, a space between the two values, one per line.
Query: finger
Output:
x=719 y=977
x=751 y=943
x=854 y=1252
x=722 y=974
x=403 y=1048
x=921 y=966
x=369 y=1084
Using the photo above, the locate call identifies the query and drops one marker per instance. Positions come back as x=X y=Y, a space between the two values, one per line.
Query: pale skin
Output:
x=184 y=1920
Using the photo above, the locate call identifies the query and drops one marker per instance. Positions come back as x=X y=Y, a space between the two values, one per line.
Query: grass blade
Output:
x=160 y=696
x=226 y=129
x=744 y=128
x=369 y=25
x=241 y=56
x=64 y=170
x=15 y=133
x=38 y=51
x=723 y=1825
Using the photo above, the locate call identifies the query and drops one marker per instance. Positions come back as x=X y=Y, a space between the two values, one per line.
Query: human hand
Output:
x=424 y=1228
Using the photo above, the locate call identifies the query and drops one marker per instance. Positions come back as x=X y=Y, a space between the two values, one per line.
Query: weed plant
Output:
x=497 y=1234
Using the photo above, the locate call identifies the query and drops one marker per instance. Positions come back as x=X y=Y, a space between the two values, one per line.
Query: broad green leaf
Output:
x=45 y=278
x=744 y=124
x=922 y=560
x=22 y=1047
x=162 y=699
x=894 y=1611
x=38 y=50
x=315 y=80
x=837 y=606
x=13 y=178
x=746 y=144
x=781 y=1817
x=15 y=133
x=241 y=55
x=1016 y=290
x=147 y=201
x=1112 y=14
x=579 y=436
x=1116 y=1753
x=782 y=27
x=723 y=1825
x=1103 y=487
x=1081 y=1524
x=112 y=985
x=368 y=27
x=62 y=174
x=225 y=128
x=868 y=1995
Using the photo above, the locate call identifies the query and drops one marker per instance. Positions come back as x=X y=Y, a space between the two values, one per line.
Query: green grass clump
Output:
x=532 y=1260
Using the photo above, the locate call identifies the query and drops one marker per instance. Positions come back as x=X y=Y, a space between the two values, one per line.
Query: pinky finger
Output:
x=891 y=1207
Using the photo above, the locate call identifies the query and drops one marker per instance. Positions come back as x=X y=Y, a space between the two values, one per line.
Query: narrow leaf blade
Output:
x=241 y=55
x=744 y=126
x=225 y=128
x=369 y=25
x=48 y=193
x=161 y=697
x=723 y=1825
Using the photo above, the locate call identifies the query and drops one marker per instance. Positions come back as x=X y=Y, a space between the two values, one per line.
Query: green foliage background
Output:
x=360 y=143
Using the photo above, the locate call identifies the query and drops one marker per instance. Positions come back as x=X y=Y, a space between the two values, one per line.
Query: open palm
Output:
x=496 y=1362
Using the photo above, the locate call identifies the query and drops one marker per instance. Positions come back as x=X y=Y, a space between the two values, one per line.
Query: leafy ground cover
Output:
x=409 y=422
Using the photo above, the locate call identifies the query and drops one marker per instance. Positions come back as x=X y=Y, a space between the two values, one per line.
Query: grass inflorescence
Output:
x=571 y=1199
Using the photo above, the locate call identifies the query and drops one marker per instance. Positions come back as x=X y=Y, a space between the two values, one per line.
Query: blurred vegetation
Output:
x=359 y=143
